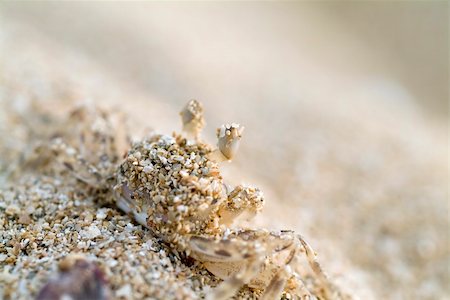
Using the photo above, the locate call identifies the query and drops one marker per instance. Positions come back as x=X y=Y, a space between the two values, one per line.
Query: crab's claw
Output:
x=192 y=118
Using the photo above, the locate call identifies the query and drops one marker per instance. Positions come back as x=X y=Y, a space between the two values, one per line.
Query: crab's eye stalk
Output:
x=229 y=137
x=192 y=118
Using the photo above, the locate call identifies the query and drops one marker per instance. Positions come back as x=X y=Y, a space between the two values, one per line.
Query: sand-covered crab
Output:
x=172 y=185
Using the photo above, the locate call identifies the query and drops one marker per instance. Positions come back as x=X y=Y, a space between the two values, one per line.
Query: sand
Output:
x=364 y=177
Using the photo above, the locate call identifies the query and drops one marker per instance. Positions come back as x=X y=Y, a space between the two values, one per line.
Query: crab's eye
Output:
x=192 y=117
x=229 y=137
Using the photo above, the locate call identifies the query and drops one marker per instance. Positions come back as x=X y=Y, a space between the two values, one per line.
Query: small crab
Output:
x=172 y=185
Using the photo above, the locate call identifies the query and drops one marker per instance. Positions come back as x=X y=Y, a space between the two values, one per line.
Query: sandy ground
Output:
x=345 y=108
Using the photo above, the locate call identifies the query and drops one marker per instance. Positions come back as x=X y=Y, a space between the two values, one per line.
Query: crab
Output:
x=171 y=184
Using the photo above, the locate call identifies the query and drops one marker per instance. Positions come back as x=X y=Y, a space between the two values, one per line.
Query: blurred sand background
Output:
x=345 y=107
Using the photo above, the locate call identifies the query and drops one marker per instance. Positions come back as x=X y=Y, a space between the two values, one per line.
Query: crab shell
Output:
x=170 y=186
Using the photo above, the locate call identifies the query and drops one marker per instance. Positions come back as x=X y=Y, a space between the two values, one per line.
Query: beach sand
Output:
x=358 y=167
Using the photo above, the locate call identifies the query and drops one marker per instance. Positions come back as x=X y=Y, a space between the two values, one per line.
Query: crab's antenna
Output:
x=228 y=139
x=192 y=118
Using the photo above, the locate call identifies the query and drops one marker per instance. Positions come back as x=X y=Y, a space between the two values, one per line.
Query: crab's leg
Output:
x=300 y=290
x=226 y=258
x=231 y=286
x=92 y=131
x=210 y=250
x=314 y=264
x=89 y=148
x=275 y=287
x=243 y=245
x=316 y=267
x=239 y=259
x=278 y=282
x=75 y=164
